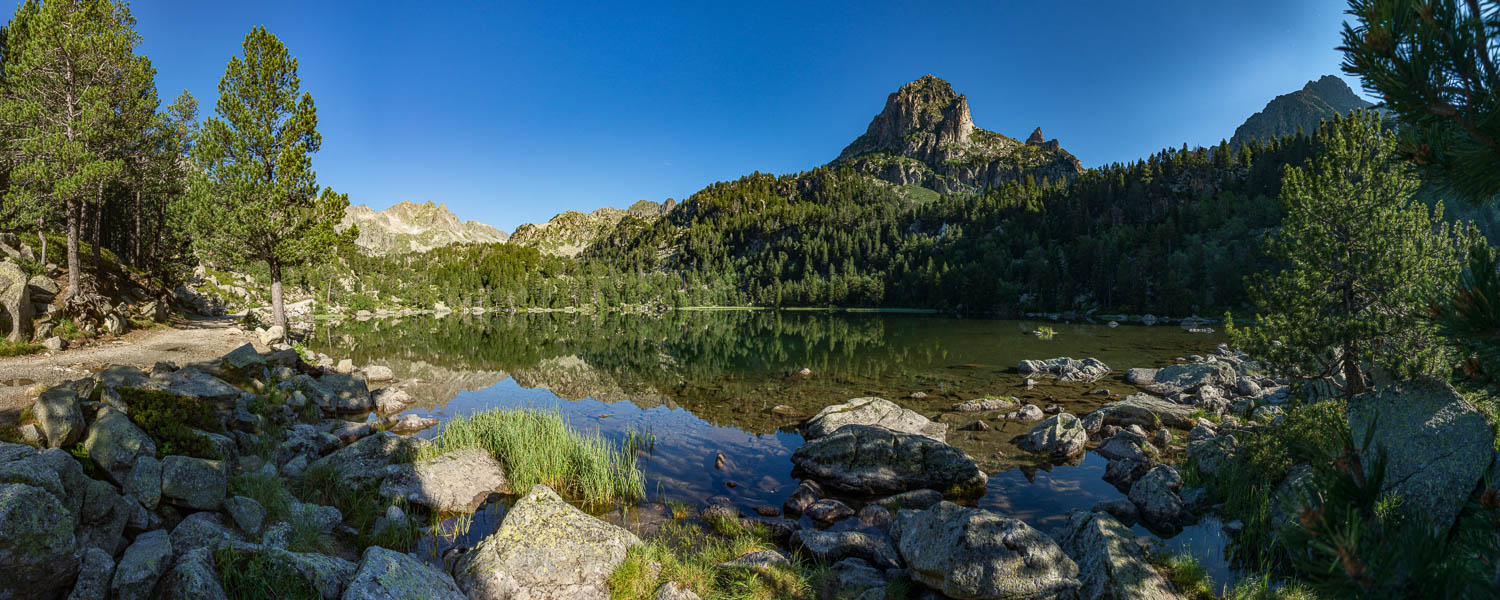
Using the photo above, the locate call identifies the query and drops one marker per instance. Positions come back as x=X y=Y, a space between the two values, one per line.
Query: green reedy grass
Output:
x=538 y=447
x=640 y=440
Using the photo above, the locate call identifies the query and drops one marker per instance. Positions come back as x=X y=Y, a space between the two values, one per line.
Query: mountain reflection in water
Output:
x=710 y=382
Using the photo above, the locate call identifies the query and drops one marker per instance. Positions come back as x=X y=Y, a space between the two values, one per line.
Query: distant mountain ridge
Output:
x=569 y=233
x=412 y=227
x=926 y=136
x=1318 y=100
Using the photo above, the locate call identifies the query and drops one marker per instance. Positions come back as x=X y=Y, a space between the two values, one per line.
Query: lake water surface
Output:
x=706 y=382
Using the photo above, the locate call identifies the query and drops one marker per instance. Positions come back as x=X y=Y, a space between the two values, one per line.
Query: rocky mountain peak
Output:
x=1036 y=137
x=1319 y=99
x=926 y=111
x=926 y=136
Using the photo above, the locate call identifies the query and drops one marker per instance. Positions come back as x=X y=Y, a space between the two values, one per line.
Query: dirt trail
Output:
x=184 y=343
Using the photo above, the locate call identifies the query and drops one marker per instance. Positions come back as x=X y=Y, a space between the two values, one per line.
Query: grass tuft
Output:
x=538 y=446
x=1188 y=576
x=255 y=576
x=689 y=555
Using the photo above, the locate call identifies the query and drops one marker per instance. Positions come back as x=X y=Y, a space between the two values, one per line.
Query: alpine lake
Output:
x=738 y=383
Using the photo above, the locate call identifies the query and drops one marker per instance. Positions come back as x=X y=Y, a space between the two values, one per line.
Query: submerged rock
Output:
x=833 y=546
x=874 y=461
x=872 y=411
x=1066 y=369
x=984 y=405
x=544 y=549
x=975 y=554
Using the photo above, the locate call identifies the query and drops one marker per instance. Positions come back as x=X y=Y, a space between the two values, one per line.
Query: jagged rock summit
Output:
x=926 y=136
x=412 y=227
x=1318 y=100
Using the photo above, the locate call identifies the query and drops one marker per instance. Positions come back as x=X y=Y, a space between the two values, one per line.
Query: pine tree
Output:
x=1433 y=62
x=259 y=199
x=1362 y=259
x=67 y=92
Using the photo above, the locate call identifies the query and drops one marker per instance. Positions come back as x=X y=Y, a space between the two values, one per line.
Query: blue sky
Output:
x=512 y=112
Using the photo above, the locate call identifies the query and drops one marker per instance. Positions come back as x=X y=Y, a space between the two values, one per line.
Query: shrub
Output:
x=9 y=348
x=169 y=420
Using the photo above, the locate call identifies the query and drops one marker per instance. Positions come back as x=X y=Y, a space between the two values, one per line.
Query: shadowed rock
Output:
x=874 y=461
x=974 y=554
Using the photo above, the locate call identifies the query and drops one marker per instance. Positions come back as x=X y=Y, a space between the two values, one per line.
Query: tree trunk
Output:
x=1354 y=377
x=74 y=285
x=135 y=241
x=278 y=310
x=41 y=234
x=98 y=226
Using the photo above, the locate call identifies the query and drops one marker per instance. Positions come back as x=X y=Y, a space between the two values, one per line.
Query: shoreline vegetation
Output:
x=1345 y=439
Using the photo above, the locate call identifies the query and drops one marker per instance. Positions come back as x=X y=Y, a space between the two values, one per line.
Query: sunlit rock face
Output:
x=926 y=136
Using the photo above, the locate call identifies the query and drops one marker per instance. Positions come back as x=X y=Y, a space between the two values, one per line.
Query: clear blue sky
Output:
x=510 y=113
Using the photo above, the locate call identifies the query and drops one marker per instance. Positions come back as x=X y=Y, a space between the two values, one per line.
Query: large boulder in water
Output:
x=1112 y=562
x=1067 y=369
x=974 y=554
x=872 y=411
x=1145 y=410
x=1436 y=444
x=1184 y=377
x=39 y=551
x=1061 y=435
x=544 y=550
x=875 y=461
x=1155 y=496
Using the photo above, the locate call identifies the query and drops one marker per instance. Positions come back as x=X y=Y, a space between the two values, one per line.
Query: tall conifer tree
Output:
x=260 y=199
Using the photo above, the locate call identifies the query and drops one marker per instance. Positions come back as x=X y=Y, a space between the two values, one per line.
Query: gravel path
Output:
x=184 y=343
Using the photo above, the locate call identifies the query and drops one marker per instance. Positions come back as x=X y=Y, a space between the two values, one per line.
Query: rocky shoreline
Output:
x=107 y=500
